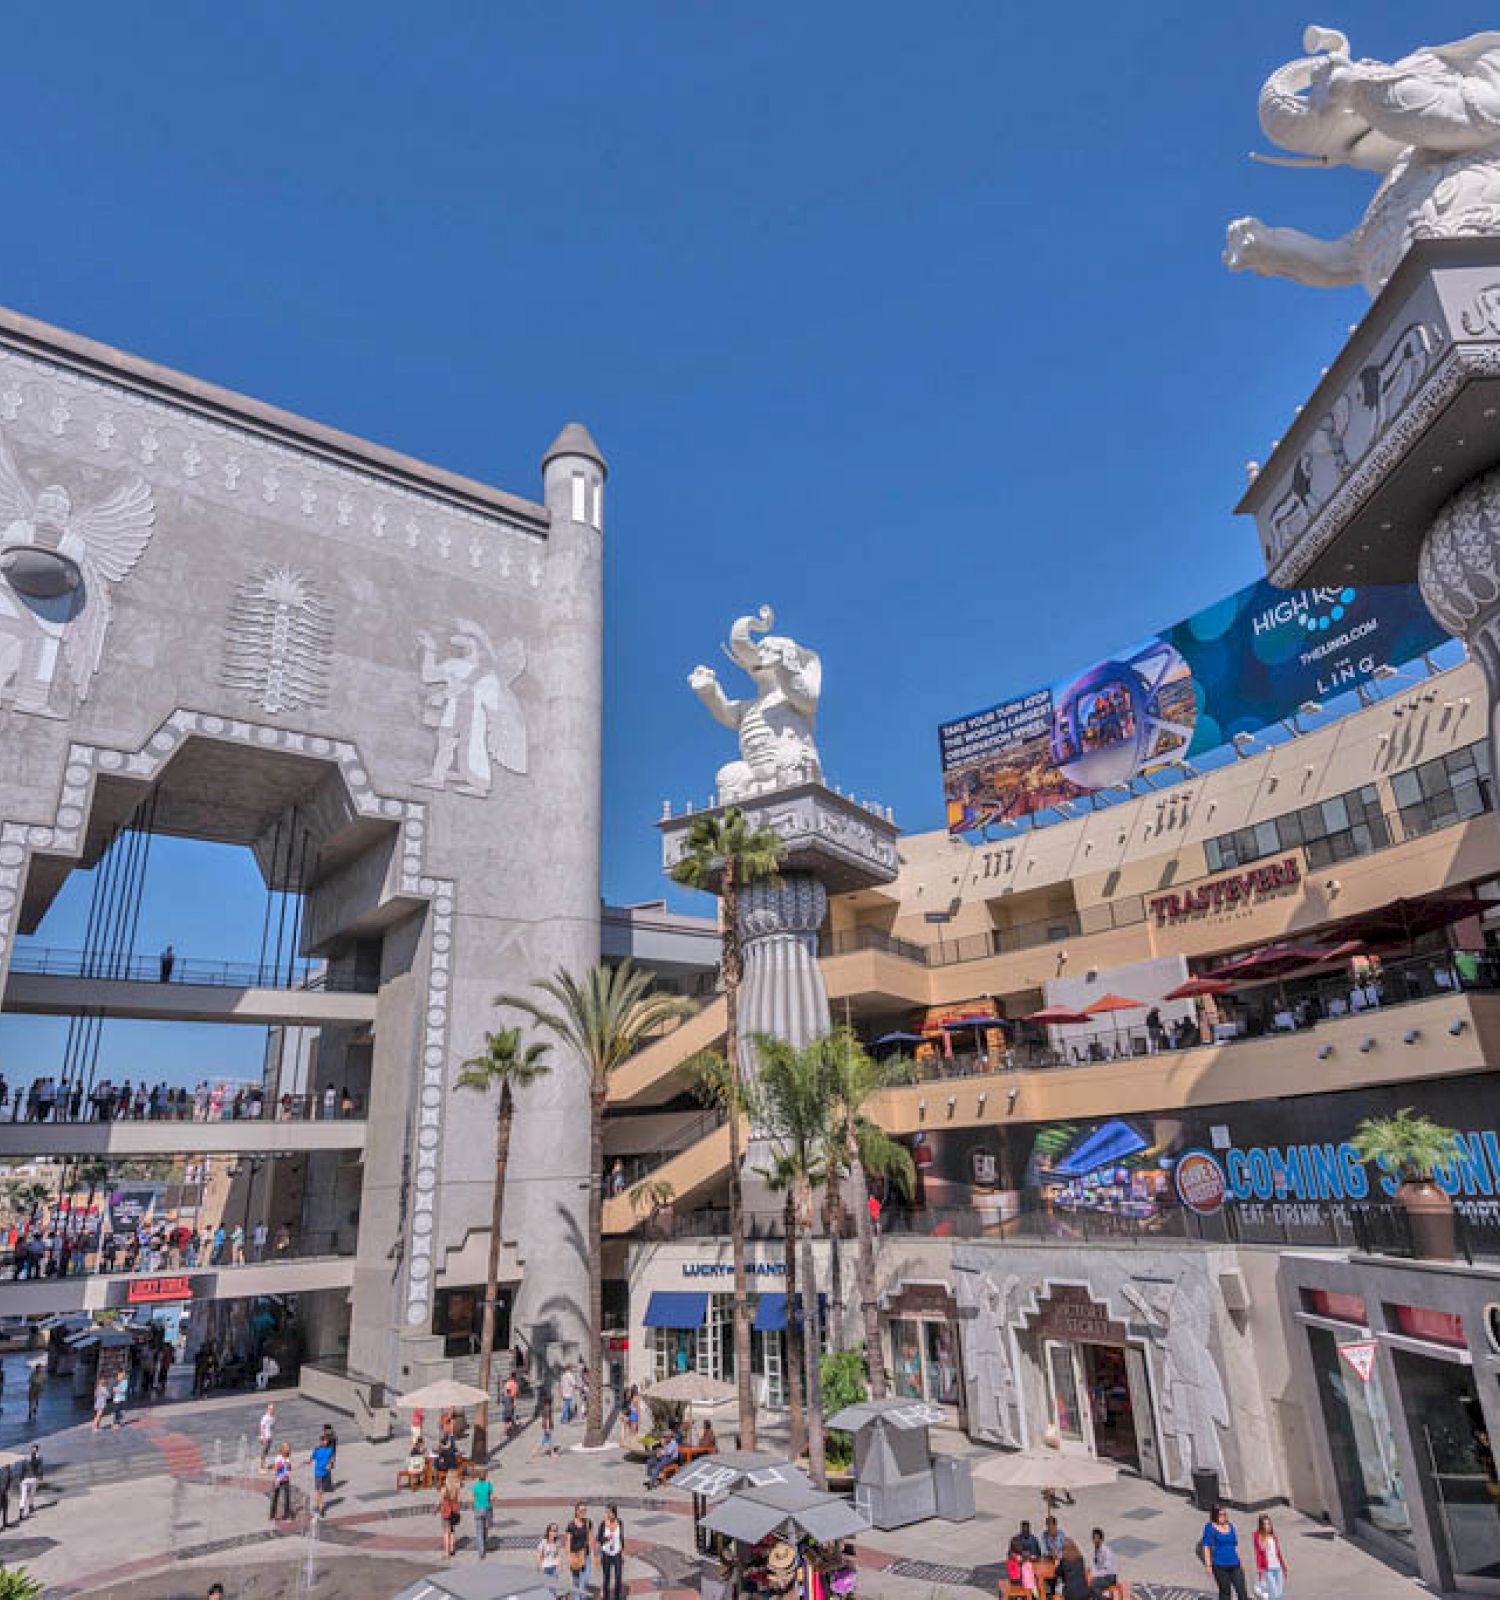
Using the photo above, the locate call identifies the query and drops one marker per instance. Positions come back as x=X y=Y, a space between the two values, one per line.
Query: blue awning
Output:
x=676 y=1308
x=770 y=1313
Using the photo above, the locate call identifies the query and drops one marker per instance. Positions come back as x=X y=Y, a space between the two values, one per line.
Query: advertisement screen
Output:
x=1287 y=1162
x=1236 y=667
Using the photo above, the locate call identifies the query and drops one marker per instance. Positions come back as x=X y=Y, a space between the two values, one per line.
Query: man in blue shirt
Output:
x=1221 y=1555
x=322 y=1466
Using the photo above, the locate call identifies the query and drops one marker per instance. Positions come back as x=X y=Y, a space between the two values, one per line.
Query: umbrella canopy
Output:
x=1401 y=921
x=1112 y=1002
x=1197 y=988
x=1273 y=961
x=486 y=1580
x=445 y=1394
x=753 y=1514
x=900 y=1038
x=1045 y=1469
x=1059 y=1015
x=692 y=1389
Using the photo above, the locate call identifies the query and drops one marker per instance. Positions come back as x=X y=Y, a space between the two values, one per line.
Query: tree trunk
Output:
x=833 y=1220
x=874 y=1355
x=795 y=1418
x=812 y=1352
x=593 y=1429
x=733 y=973
x=492 y=1275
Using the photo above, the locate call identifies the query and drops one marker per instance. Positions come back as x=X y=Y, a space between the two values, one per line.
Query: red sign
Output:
x=1361 y=1357
x=1200 y=1183
x=154 y=1291
x=1438 y=1327
x=1336 y=1304
x=1223 y=893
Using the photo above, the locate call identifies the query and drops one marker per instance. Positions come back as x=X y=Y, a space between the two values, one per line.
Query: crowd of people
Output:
x=40 y=1250
x=47 y=1099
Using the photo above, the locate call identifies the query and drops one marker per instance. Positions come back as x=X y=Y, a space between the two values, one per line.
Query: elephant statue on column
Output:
x=1428 y=124
x=776 y=726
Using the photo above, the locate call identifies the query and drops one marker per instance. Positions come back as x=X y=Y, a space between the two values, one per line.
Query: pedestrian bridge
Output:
x=121 y=1140
x=123 y=1291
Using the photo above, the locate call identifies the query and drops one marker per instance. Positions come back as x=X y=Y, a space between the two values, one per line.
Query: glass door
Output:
x=1066 y=1391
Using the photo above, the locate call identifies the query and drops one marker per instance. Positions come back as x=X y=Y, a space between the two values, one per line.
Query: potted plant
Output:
x=1414 y=1146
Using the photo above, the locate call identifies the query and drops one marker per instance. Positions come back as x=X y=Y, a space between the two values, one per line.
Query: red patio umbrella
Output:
x=1197 y=988
x=1058 y=1016
x=1108 y=1004
x=1403 y=921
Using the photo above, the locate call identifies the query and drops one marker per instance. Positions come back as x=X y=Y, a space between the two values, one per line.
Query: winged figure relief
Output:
x=59 y=564
x=472 y=706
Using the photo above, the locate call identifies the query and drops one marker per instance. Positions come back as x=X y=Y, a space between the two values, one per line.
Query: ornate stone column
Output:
x=783 y=993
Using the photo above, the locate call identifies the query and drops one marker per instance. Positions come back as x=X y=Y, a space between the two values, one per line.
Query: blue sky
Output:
x=908 y=320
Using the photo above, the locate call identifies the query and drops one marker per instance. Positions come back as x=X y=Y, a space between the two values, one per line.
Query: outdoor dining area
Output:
x=1395 y=954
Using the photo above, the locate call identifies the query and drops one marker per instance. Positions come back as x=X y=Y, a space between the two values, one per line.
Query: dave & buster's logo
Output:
x=1199 y=1181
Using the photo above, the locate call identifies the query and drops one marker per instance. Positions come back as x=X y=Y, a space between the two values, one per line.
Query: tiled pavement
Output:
x=172 y=1500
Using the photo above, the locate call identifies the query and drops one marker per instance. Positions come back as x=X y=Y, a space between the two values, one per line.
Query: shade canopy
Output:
x=728 y=1470
x=676 y=1308
x=907 y=1415
x=900 y=1038
x=1401 y=921
x=443 y=1395
x=1112 y=1002
x=485 y=1580
x=1273 y=961
x=1045 y=1469
x=692 y=1389
x=1198 y=988
x=1059 y=1015
x=963 y=1024
x=770 y=1313
x=754 y=1514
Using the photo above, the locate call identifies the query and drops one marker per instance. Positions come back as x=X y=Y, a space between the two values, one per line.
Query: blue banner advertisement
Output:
x=1236 y=667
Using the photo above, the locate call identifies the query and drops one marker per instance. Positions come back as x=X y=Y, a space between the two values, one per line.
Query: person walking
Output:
x=34 y=1386
x=1221 y=1555
x=121 y=1395
x=101 y=1403
x=322 y=1470
x=448 y=1511
x=31 y=1476
x=258 y=1240
x=578 y=1538
x=483 y=1492
x=612 y=1554
x=1270 y=1564
x=281 y=1483
x=549 y=1554
x=330 y=1102
x=567 y=1386
x=4 y=1498
x=237 y=1245
x=544 y=1415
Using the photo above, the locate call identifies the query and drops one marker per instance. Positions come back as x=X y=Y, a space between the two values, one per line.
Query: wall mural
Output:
x=472 y=705
x=58 y=566
x=989 y=1356
x=278 y=641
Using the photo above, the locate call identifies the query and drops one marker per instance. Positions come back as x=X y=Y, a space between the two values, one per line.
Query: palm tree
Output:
x=720 y=1086
x=94 y=1173
x=505 y=1065
x=729 y=852
x=781 y=1178
x=604 y=1017
x=858 y=1147
x=794 y=1099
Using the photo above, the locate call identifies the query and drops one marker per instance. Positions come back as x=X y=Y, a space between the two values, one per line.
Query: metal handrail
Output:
x=189 y=972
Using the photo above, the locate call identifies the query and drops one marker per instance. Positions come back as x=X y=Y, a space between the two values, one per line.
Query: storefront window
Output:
x=906 y=1357
x=708 y=1350
x=1359 y=1437
x=1454 y=1459
x=942 y=1364
x=924 y=1359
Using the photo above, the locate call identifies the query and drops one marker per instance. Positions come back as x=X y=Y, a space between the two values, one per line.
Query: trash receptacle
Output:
x=954 y=1486
x=1205 y=1488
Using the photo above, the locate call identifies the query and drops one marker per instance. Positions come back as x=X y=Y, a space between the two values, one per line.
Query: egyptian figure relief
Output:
x=59 y=564
x=473 y=709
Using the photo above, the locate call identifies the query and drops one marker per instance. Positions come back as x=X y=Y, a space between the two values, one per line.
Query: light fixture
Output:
x=1412 y=1035
x=952 y=1104
x=983 y=1096
x=1366 y=1046
x=1012 y=1094
x=1325 y=1052
x=921 y=1108
x=1457 y=1026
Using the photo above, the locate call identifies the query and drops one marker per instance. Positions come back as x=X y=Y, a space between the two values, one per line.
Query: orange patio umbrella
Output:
x=1108 y=1004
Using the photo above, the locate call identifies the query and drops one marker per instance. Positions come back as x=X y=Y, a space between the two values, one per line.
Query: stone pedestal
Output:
x=1391 y=471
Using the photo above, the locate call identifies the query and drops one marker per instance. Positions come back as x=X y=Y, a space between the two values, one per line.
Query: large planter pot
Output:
x=1429 y=1212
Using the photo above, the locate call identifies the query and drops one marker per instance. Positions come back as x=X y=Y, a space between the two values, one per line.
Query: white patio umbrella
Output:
x=443 y=1395
x=693 y=1389
x=1045 y=1469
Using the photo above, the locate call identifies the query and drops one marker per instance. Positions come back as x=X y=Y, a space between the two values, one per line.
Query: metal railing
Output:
x=225 y=1103
x=625 y=1171
x=189 y=972
x=32 y=1259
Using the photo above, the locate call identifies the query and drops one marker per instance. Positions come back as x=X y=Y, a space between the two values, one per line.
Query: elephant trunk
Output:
x=742 y=637
x=1293 y=118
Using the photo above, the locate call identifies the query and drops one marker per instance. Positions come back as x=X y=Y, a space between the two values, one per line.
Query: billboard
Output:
x=1235 y=667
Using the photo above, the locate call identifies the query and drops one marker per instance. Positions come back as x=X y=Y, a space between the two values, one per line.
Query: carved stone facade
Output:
x=246 y=591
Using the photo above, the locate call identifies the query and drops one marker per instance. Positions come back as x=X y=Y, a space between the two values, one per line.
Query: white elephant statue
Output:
x=776 y=727
x=1429 y=124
